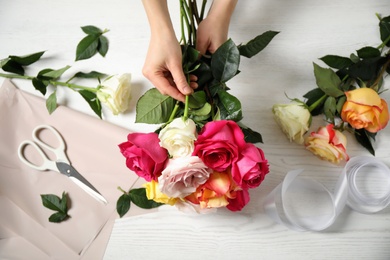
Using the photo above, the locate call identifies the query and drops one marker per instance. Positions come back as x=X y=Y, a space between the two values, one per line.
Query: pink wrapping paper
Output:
x=92 y=148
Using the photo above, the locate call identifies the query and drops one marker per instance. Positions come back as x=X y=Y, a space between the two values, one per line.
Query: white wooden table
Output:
x=309 y=30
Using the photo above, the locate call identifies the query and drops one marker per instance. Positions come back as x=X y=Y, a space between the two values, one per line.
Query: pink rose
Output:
x=249 y=171
x=182 y=176
x=239 y=202
x=144 y=155
x=219 y=144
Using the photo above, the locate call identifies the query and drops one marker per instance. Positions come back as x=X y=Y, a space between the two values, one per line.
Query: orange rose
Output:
x=328 y=144
x=365 y=109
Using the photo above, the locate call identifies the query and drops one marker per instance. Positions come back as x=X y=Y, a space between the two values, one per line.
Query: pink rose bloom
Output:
x=182 y=176
x=144 y=155
x=249 y=171
x=239 y=202
x=219 y=144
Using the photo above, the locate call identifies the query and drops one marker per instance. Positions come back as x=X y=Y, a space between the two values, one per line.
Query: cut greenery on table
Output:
x=60 y=205
x=94 y=42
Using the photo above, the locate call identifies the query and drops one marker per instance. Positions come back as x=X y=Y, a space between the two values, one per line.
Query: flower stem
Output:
x=173 y=112
x=52 y=82
x=315 y=104
x=185 y=116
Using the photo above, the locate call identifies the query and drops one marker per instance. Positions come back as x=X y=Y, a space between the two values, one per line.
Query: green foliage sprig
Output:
x=211 y=101
x=60 y=205
x=366 y=68
x=94 y=42
x=136 y=196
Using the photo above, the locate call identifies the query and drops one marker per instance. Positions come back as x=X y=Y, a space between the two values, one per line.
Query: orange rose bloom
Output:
x=365 y=109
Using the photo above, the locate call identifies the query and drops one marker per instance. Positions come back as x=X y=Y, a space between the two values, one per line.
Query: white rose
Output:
x=294 y=119
x=178 y=137
x=182 y=176
x=115 y=93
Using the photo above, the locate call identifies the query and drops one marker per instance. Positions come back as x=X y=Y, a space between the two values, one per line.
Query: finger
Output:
x=163 y=85
x=180 y=80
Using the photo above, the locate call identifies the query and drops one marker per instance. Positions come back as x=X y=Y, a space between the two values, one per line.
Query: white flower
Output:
x=178 y=137
x=115 y=93
x=294 y=119
x=182 y=176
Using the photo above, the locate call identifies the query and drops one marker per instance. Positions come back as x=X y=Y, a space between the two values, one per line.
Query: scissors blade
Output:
x=73 y=174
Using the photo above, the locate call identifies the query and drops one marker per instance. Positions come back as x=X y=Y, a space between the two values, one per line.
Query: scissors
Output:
x=61 y=164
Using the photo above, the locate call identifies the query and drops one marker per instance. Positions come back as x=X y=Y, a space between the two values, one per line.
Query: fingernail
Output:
x=187 y=90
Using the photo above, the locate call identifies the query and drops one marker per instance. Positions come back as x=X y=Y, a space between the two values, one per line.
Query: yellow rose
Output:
x=328 y=144
x=115 y=93
x=365 y=109
x=154 y=193
x=294 y=119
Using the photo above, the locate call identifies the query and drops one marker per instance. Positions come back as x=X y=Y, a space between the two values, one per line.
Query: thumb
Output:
x=180 y=80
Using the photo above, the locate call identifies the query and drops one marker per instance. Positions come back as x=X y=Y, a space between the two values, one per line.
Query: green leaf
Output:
x=92 y=101
x=123 y=204
x=251 y=136
x=328 y=81
x=57 y=204
x=336 y=62
x=27 y=59
x=3 y=62
x=363 y=137
x=55 y=74
x=229 y=106
x=340 y=103
x=52 y=202
x=154 y=108
x=87 y=47
x=138 y=197
x=367 y=69
x=13 y=67
x=197 y=99
x=90 y=29
x=225 y=61
x=90 y=75
x=203 y=111
x=40 y=85
x=368 y=52
x=103 y=45
x=58 y=217
x=257 y=44
x=51 y=102
x=384 y=28
x=330 y=108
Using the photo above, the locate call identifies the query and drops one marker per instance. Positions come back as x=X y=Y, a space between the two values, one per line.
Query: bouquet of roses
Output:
x=348 y=95
x=202 y=156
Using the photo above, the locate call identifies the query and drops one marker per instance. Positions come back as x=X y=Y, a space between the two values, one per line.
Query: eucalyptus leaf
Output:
x=257 y=44
x=225 y=61
x=138 y=197
x=153 y=107
x=336 y=62
x=27 y=59
x=87 y=47
x=328 y=81
x=90 y=29
x=229 y=106
x=51 y=102
x=123 y=204
x=103 y=45
x=92 y=101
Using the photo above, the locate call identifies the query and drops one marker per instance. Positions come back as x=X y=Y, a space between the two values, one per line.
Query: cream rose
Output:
x=294 y=119
x=178 y=137
x=182 y=176
x=115 y=93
